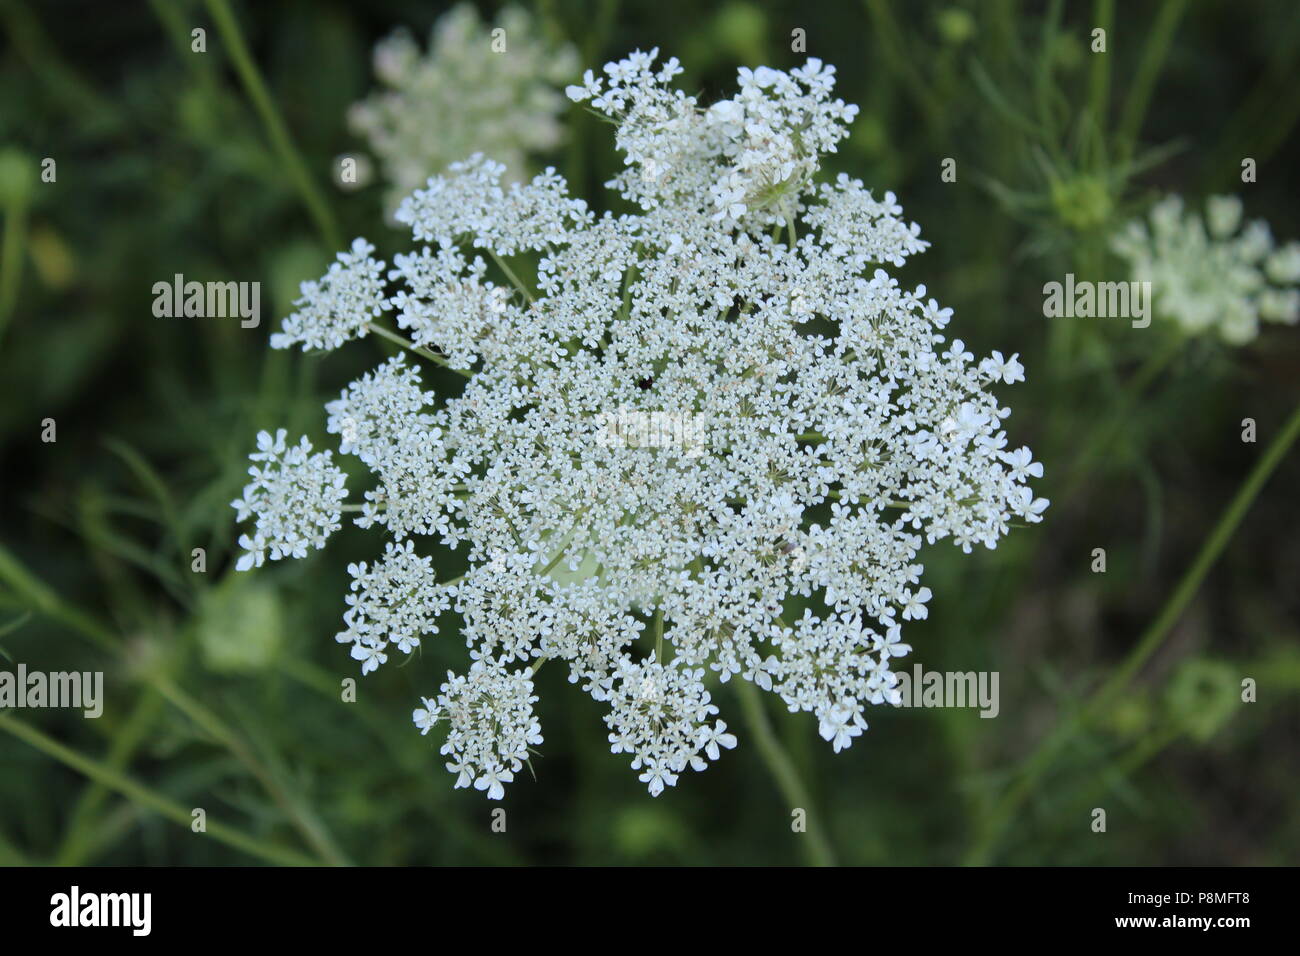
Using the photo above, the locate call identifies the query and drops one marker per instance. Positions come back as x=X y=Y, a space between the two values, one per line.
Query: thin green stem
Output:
x=1044 y=80
x=782 y=768
x=629 y=278
x=307 y=823
x=1100 y=439
x=173 y=20
x=510 y=274
x=1150 y=641
x=559 y=555
x=150 y=799
x=893 y=49
x=417 y=349
x=1200 y=567
x=82 y=831
x=36 y=595
x=276 y=128
x=1099 y=82
x=1149 y=66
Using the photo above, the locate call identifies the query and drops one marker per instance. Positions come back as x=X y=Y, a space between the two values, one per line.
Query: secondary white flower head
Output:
x=744 y=159
x=1212 y=273
x=661 y=715
x=835 y=431
x=490 y=88
x=340 y=306
x=395 y=602
x=294 y=496
x=491 y=726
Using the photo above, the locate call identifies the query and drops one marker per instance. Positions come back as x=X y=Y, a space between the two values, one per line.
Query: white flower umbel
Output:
x=340 y=306
x=473 y=91
x=1212 y=273
x=395 y=602
x=371 y=411
x=749 y=158
x=490 y=725
x=661 y=716
x=295 y=497
x=835 y=431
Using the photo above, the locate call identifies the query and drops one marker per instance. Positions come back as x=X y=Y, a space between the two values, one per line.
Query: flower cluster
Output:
x=844 y=431
x=489 y=714
x=478 y=88
x=340 y=306
x=746 y=159
x=1211 y=273
x=295 y=497
x=660 y=715
x=394 y=602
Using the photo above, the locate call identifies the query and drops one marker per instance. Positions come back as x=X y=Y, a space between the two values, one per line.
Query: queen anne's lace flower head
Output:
x=472 y=91
x=834 y=432
x=1213 y=273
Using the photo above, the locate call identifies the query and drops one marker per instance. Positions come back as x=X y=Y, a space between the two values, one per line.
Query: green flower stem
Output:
x=417 y=349
x=82 y=832
x=629 y=278
x=1130 y=762
x=276 y=129
x=559 y=554
x=1103 y=16
x=1044 y=83
x=816 y=846
x=36 y=595
x=1149 y=66
x=149 y=799
x=33 y=594
x=891 y=47
x=510 y=274
x=307 y=823
x=1042 y=758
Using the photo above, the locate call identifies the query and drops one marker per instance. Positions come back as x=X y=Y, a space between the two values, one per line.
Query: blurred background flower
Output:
x=480 y=88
